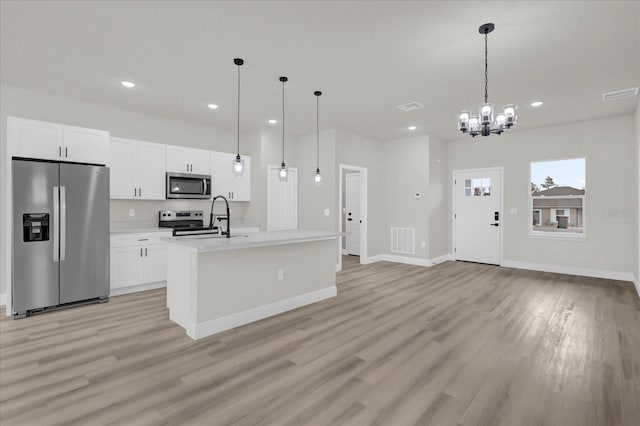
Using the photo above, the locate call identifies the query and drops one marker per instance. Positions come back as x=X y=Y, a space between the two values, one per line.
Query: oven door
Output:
x=182 y=185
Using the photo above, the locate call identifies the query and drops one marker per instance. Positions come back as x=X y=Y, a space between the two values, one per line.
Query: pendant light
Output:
x=284 y=172
x=317 y=179
x=238 y=163
x=482 y=126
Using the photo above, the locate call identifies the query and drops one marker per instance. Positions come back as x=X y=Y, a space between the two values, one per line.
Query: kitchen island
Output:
x=216 y=283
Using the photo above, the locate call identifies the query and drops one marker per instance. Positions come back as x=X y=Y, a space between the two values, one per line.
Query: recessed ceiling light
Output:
x=128 y=84
x=412 y=127
x=212 y=106
x=272 y=121
x=536 y=104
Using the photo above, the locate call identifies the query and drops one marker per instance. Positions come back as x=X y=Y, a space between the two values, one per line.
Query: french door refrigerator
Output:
x=60 y=250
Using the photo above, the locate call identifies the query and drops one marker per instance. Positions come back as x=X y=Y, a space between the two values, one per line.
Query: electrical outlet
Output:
x=327 y=212
x=423 y=244
x=132 y=212
x=280 y=274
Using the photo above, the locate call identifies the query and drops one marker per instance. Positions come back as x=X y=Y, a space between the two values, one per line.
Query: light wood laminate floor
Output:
x=455 y=344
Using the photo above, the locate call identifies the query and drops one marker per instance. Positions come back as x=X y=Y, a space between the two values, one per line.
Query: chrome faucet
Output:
x=211 y=214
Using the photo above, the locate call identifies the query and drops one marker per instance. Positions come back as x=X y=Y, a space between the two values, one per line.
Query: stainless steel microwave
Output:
x=184 y=185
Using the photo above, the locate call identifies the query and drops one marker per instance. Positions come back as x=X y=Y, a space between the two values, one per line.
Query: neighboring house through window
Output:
x=558 y=198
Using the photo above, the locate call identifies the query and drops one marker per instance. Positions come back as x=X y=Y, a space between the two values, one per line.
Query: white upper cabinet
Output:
x=86 y=145
x=51 y=141
x=181 y=159
x=137 y=170
x=224 y=182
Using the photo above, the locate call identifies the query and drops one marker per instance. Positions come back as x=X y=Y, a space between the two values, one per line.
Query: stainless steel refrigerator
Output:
x=60 y=250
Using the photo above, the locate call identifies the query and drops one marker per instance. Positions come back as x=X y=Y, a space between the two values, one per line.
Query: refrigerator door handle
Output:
x=63 y=221
x=56 y=223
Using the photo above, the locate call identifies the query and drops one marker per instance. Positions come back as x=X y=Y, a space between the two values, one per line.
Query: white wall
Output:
x=438 y=196
x=609 y=148
x=313 y=200
x=637 y=211
x=406 y=172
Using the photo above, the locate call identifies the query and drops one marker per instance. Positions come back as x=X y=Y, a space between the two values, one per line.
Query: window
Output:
x=557 y=198
x=477 y=187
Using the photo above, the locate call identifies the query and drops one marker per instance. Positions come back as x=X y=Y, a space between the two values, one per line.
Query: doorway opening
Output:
x=353 y=212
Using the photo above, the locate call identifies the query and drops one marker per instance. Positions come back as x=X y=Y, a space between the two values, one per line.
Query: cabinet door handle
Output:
x=66 y=152
x=140 y=251
x=187 y=166
x=135 y=192
x=140 y=192
x=59 y=151
x=145 y=252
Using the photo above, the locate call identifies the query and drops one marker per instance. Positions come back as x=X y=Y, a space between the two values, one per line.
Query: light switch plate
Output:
x=132 y=212
x=327 y=212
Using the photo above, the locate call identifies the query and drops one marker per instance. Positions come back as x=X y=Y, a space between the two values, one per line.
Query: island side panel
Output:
x=182 y=280
x=240 y=286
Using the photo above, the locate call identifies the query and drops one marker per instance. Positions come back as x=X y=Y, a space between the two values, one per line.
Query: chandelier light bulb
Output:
x=474 y=124
x=500 y=120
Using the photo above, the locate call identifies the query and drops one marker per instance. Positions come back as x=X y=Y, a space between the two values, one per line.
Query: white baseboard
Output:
x=3 y=299
x=344 y=252
x=208 y=328
x=136 y=288
x=407 y=260
x=570 y=270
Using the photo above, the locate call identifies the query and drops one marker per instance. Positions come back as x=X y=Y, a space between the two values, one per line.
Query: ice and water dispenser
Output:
x=35 y=227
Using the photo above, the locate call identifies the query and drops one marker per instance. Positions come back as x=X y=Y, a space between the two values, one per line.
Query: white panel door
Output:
x=150 y=170
x=85 y=145
x=37 y=139
x=155 y=263
x=122 y=169
x=282 y=203
x=353 y=213
x=126 y=266
x=478 y=215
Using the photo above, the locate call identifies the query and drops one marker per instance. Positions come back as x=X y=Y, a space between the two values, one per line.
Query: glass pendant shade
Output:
x=317 y=179
x=284 y=172
x=463 y=121
x=238 y=166
x=511 y=115
x=474 y=124
x=486 y=113
x=500 y=120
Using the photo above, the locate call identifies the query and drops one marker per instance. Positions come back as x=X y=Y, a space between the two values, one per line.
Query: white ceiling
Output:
x=366 y=57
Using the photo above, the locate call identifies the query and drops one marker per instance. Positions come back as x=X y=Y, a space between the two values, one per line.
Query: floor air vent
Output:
x=403 y=240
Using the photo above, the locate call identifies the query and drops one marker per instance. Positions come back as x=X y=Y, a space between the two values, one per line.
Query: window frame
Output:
x=550 y=235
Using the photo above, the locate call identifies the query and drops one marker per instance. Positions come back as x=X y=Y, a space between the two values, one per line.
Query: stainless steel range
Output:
x=186 y=222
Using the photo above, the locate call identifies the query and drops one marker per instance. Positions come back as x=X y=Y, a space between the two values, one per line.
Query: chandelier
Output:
x=481 y=125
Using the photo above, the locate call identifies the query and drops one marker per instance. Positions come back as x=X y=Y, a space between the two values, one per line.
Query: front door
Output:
x=478 y=215
x=353 y=213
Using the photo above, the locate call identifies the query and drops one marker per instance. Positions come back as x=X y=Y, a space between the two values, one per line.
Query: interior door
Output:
x=353 y=220
x=478 y=215
x=282 y=209
x=84 y=232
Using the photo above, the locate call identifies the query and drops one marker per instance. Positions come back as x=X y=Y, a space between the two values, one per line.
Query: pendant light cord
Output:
x=486 y=69
x=283 y=122
x=317 y=132
x=238 y=110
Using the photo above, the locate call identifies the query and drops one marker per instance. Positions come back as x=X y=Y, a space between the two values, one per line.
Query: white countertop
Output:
x=205 y=243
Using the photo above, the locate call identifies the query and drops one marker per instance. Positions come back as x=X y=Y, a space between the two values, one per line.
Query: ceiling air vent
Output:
x=411 y=106
x=619 y=94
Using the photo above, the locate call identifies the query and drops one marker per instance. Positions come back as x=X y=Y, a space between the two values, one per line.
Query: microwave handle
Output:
x=204 y=181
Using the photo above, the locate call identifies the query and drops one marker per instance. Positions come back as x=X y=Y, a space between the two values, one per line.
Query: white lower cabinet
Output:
x=138 y=259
